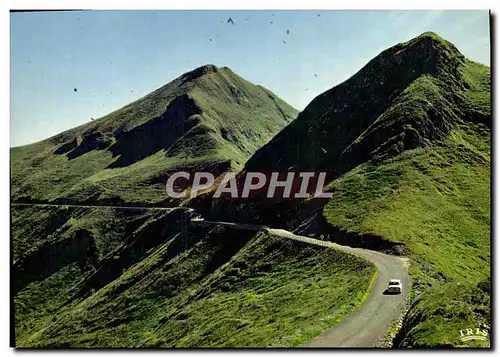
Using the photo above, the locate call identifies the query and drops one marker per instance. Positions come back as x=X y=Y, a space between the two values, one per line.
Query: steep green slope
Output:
x=436 y=201
x=408 y=96
x=209 y=118
x=111 y=277
x=37 y=226
x=438 y=315
x=406 y=145
x=168 y=284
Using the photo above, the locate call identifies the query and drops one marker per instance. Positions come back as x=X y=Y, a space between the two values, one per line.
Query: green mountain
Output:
x=209 y=118
x=406 y=145
x=102 y=276
x=151 y=281
x=409 y=96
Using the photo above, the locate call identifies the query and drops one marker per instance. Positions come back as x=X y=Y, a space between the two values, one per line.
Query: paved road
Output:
x=367 y=325
x=89 y=206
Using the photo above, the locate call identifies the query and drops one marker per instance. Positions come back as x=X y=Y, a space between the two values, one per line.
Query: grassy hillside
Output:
x=188 y=286
x=103 y=277
x=209 y=119
x=34 y=227
x=406 y=145
x=436 y=201
x=441 y=194
x=438 y=315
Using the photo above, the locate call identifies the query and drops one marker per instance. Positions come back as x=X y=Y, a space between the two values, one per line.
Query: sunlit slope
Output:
x=159 y=283
x=208 y=119
x=406 y=144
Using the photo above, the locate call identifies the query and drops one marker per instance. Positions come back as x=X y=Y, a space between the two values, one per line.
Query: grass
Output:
x=478 y=79
x=406 y=146
x=37 y=226
x=40 y=302
x=443 y=201
x=230 y=289
x=436 y=201
x=438 y=206
x=209 y=119
x=438 y=315
x=405 y=143
x=441 y=192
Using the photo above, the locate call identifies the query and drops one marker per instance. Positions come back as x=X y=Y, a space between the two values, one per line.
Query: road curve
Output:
x=89 y=206
x=367 y=325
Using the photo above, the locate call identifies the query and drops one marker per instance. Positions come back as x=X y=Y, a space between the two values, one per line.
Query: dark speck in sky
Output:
x=75 y=90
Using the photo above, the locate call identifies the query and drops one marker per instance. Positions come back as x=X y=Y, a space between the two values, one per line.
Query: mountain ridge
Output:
x=406 y=144
x=428 y=53
x=209 y=115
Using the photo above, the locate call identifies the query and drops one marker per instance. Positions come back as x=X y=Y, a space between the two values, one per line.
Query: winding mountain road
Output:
x=367 y=325
x=40 y=204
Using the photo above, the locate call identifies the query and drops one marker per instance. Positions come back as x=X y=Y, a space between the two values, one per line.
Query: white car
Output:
x=395 y=286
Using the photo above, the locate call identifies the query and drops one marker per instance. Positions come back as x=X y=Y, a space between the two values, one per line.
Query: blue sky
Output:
x=115 y=57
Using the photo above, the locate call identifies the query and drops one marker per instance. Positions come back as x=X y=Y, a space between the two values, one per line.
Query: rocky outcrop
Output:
x=51 y=257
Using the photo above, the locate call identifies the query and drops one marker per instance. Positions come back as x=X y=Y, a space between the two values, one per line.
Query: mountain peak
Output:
x=206 y=118
x=200 y=71
x=433 y=45
x=427 y=37
x=410 y=95
x=432 y=36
